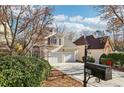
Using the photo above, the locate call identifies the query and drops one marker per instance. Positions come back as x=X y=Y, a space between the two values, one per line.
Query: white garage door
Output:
x=55 y=58
x=69 y=57
x=60 y=57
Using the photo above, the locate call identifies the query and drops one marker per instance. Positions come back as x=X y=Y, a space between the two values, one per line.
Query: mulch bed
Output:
x=59 y=79
x=118 y=69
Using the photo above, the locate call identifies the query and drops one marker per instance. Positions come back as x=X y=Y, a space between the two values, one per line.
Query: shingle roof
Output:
x=80 y=41
x=93 y=43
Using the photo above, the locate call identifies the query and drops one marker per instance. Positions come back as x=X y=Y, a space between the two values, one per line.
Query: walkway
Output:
x=76 y=71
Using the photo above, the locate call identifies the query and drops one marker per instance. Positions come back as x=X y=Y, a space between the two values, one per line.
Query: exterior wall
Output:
x=80 y=52
x=3 y=45
x=95 y=53
x=108 y=48
x=68 y=43
x=62 y=40
x=2 y=37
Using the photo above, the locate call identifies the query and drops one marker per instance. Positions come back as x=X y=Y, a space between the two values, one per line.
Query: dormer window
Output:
x=53 y=40
x=59 y=41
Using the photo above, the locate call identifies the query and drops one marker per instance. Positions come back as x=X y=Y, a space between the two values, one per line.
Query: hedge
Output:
x=22 y=71
x=115 y=58
x=2 y=54
x=90 y=59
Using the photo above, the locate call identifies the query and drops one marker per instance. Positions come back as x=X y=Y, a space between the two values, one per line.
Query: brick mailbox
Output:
x=100 y=71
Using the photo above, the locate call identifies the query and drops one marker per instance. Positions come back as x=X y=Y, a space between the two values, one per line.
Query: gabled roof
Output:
x=93 y=43
x=68 y=43
x=80 y=41
x=57 y=34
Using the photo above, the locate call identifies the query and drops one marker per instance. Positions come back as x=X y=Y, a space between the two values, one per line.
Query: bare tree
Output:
x=114 y=15
x=27 y=24
x=60 y=28
x=99 y=33
x=63 y=29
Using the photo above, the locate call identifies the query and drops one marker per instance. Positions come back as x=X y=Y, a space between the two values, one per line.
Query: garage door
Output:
x=60 y=57
x=69 y=57
x=55 y=57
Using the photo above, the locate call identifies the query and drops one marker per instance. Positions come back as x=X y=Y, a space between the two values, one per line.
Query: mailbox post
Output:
x=85 y=60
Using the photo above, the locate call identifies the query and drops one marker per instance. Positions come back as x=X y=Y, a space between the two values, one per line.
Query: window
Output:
x=53 y=40
x=59 y=41
x=48 y=41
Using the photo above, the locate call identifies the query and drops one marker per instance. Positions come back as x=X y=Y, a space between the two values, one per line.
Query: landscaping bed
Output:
x=118 y=69
x=59 y=79
x=115 y=60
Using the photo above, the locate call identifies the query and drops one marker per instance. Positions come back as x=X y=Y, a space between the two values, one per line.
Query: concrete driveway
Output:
x=75 y=70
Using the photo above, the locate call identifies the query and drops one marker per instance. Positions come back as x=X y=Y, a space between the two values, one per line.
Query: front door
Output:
x=36 y=51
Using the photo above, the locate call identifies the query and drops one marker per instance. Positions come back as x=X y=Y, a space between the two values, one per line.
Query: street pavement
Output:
x=76 y=70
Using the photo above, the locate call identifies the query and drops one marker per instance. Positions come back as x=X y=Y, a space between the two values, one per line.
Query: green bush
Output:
x=22 y=71
x=121 y=59
x=2 y=54
x=102 y=58
x=116 y=58
x=90 y=59
x=105 y=61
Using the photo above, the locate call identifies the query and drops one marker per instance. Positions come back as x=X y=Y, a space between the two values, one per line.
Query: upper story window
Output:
x=53 y=40
x=59 y=41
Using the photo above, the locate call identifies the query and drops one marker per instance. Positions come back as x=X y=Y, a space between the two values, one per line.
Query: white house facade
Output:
x=56 y=49
x=62 y=49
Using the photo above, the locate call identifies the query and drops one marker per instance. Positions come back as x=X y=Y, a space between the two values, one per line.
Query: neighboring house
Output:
x=3 y=45
x=57 y=49
x=96 y=46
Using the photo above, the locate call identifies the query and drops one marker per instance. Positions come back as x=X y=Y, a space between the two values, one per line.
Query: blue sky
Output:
x=73 y=10
x=78 y=18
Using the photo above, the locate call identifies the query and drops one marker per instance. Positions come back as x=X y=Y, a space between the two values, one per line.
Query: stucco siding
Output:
x=2 y=36
x=95 y=53
x=3 y=45
x=80 y=52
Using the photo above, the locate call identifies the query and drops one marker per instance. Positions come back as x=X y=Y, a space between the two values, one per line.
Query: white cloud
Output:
x=76 y=19
x=60 y=18
x=79 y=24
x=94 y=21
x=76 y=27
x=91 y=20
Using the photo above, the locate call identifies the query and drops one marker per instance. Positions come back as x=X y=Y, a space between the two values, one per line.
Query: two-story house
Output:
x=56 y=49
